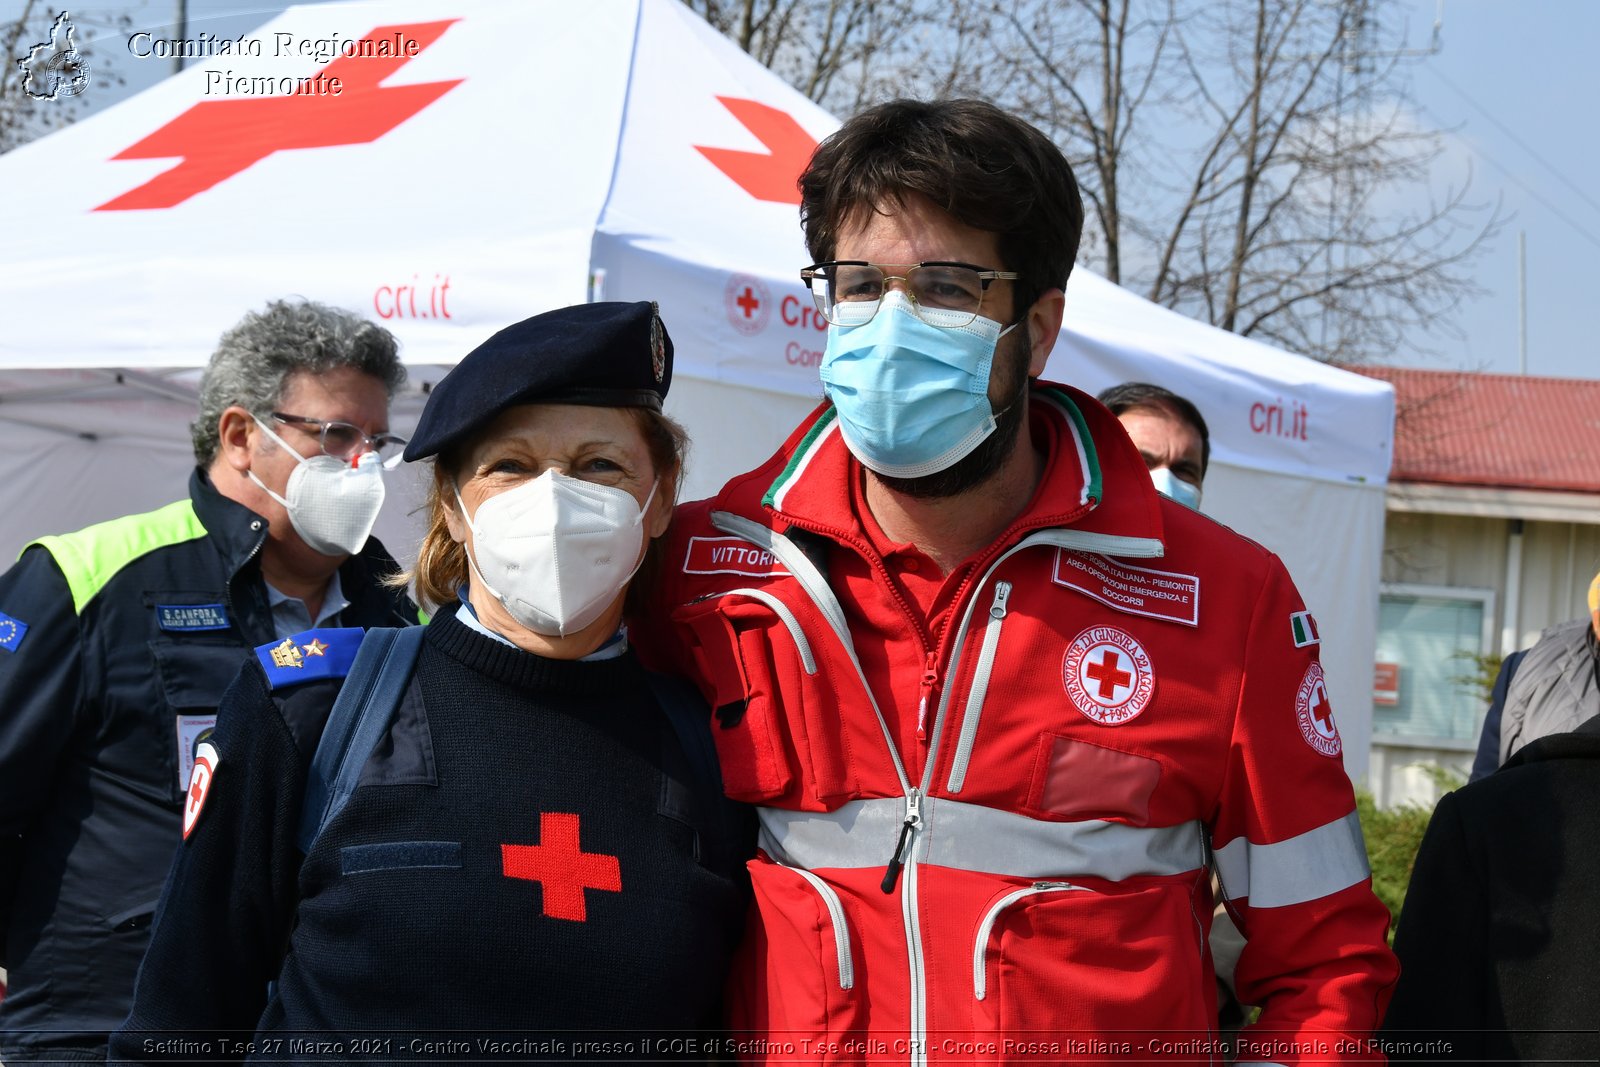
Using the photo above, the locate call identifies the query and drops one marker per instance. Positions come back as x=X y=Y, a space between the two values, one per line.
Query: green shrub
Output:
x=1393 y=835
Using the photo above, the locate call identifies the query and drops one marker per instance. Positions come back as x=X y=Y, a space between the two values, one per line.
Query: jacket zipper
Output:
x=910 y=908
x=259 y=525
x=980 y=949
x=841 y=932
x=821 y=594
x=780 y=609
x=1073 y=540
x=979 y=688
x=930 y=678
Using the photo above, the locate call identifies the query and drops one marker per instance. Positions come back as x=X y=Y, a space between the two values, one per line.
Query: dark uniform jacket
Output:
x=116 y=643
x=1500 y=931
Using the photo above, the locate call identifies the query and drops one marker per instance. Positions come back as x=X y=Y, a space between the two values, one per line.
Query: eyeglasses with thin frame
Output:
x=945 y=294
x=347 y=442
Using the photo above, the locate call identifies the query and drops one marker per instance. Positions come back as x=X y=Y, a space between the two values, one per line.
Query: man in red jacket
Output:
x=999 y=703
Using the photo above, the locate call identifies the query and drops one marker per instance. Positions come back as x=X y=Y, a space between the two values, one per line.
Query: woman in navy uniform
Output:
x=535 y=862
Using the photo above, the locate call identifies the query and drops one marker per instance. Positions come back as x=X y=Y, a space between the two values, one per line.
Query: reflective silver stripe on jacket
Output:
x=971 y=837
x=1316 y=863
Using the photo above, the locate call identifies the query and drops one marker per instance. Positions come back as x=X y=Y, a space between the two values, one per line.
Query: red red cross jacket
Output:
x=1124 y=690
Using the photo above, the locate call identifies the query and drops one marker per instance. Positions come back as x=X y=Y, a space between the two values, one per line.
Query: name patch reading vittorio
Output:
x=1134 y=590
x=730 y=555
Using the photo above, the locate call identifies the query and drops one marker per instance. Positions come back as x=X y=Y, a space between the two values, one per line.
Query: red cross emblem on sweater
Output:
x=562 y=869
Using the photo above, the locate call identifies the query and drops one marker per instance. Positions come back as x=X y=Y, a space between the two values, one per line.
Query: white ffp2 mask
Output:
x=332 y=504
x=556 y=551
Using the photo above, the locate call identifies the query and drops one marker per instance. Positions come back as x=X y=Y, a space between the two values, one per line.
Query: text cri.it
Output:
x=1280 y=419
x=797 y=312
x=415 y=299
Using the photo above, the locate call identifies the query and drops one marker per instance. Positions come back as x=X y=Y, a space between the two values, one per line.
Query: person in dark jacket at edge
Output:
x=1499 y=933
x=117 y=641
x=536 y=861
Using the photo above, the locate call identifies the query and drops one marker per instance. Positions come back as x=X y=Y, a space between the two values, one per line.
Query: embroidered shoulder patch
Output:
x=12 y=631
x=1314 y=713
x=1303 y=629
x=1134 y=590
x=730 y=555
x=308 y=656
x=206 y=759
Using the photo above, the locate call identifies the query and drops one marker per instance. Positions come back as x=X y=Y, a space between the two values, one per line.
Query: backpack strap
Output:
x=363 y=711
x=691 y=720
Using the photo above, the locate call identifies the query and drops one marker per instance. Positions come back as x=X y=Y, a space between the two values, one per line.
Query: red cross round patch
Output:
x=1108 y=676
x=1315 y=713
x=200 y=779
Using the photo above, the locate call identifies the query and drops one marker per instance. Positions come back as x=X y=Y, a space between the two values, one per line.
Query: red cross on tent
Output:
x=561 y=867
x=748 y=302
x=769 y=175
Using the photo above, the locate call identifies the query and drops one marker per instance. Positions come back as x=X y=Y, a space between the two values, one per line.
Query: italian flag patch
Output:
x=1304 y=629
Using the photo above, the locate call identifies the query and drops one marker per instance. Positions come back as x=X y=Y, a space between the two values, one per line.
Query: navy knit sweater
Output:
x=529 y=859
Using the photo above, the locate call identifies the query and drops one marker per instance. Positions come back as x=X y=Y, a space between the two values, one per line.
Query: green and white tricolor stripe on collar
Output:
x=92 y=556
x=827 y=424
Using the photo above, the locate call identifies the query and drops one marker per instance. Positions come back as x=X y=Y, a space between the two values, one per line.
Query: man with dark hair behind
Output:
x=117 y=641
x=1169 y=432
x=999 y=704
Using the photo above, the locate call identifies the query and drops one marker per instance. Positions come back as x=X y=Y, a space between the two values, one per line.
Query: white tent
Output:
x=512 y=158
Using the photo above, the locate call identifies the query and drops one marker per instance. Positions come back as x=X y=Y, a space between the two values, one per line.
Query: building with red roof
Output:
x=1492 y=534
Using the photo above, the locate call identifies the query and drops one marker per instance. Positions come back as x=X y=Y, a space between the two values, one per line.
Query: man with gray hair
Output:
x=117 y=641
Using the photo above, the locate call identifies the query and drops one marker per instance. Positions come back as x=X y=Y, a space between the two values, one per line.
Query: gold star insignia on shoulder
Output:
x=315 y=648
x=287 y=654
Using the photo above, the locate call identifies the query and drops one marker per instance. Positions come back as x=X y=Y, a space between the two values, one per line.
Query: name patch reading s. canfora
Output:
x=191 y=616
x=730 y=555
x=1135 y=590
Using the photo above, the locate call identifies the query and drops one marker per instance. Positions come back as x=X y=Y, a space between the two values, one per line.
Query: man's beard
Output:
x=983 y=462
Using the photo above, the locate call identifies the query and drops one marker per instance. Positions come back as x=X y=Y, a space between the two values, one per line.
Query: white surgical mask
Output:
x=1170 y=485
x=555 y=551
x=332 y=504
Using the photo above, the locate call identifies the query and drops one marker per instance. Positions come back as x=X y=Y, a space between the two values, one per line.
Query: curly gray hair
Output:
x=255 y=359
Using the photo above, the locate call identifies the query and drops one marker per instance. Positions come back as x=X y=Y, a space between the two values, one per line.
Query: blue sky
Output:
x=1513 y=81
x=1516 y=84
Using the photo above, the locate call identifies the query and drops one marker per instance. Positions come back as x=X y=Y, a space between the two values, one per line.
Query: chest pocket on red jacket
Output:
x=770 y=732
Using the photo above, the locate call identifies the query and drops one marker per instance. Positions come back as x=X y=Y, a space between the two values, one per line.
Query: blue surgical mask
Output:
x=912 y=397
x=1169 y=485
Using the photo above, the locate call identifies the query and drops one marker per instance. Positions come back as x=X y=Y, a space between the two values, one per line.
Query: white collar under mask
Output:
x=555 y=551
x=332 y=504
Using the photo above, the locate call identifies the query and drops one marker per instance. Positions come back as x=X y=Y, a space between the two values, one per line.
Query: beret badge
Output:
x=658 y=343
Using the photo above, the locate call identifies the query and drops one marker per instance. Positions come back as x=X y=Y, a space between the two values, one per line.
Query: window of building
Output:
x=1428 y=638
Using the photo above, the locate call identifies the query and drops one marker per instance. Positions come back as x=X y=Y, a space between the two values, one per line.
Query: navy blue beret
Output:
x=612 y=355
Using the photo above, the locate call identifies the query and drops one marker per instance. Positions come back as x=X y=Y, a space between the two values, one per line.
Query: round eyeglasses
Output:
x=346 y=442
x=849 y=292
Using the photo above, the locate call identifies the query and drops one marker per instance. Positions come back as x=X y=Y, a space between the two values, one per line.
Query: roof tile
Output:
x=1499 y=430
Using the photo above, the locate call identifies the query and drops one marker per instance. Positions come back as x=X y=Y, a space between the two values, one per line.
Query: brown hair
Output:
x=441 y=567
x=988 y=169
